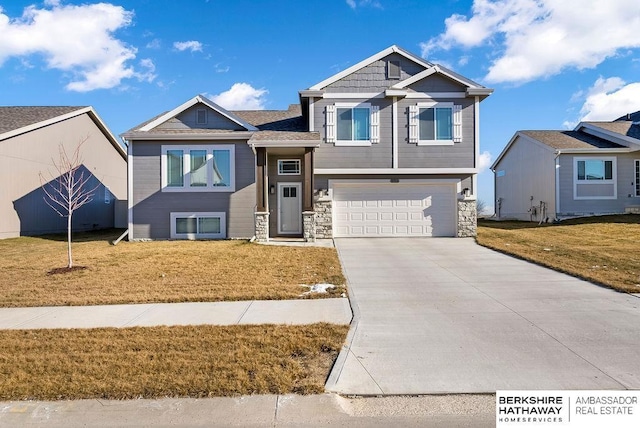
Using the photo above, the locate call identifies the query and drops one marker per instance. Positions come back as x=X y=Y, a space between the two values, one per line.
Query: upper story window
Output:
x=198 y=168
x=352 y=124
x=288 y=166
x=435 y=123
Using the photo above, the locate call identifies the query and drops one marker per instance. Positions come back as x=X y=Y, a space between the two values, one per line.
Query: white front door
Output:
x=289 y=208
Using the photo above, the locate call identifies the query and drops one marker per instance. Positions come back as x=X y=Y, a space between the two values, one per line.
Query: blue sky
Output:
x=552 y=63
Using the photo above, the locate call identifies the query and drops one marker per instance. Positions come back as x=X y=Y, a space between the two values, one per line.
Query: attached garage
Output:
x=394 y=209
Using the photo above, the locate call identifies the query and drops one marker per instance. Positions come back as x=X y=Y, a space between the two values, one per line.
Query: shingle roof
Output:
x=570 y=140
x=12 y=118
x=622 y=127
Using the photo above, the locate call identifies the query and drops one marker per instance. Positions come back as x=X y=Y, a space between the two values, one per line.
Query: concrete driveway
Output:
x=444 y=315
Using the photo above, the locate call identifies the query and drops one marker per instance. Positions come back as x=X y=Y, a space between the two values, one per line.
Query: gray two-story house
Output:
x=387 y=147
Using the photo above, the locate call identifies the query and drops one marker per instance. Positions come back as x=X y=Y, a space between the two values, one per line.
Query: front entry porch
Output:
x=284 y=193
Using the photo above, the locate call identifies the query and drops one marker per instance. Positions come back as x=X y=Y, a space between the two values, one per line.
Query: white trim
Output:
x=374 y=124
x=351 y=143
x=285 y=143
x=367 y=61
x=231 y=135
x=613 y=181
x=391 y=93
x=597 y=151
x=193 y=101
x=593 y=129
x=130 y=189
x=280 y=161
x=312 y=103
x=186 y=168
x=394 y=134
x=414 y=123
x=298 y=186
x=223 y=225
x=438 y=69
x=476 y=142
x=352 y=95
x=385 y=171
x=557 y=172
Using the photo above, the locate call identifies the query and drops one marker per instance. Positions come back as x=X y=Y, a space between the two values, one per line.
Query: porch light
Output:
x=272 y=189
x=466 y=192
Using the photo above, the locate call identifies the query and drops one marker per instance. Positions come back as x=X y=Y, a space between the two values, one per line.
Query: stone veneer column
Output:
x=324 y=228
x=262 y=226
x=467 y=218
x=309 y=226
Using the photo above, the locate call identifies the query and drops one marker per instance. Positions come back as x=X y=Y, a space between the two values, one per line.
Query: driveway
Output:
x=444 y=315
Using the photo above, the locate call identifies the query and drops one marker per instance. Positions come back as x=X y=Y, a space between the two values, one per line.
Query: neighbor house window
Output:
x=201 y=168
x=637 y=177
x=289 y=167
x=352 y=124
x=211 y=225
x=594 y=178
x=435 y=123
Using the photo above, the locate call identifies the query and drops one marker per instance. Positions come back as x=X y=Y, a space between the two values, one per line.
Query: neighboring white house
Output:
x=29 y=143
x=593 y=169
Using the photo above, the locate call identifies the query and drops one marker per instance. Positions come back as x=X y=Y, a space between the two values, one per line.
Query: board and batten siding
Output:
x=378 y=155
x=625 y=166
x=373 y=77
x=458 y=155
x=23 y=210
x=152 y=208
x=529 y=172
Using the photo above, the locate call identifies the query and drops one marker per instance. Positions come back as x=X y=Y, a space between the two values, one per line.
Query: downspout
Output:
x=557 y=174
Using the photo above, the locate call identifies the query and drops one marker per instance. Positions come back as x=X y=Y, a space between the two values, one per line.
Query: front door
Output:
x=289 y=208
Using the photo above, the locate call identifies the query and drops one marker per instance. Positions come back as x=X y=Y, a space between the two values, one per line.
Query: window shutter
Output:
x=375 y=124
x=457 y=123
x=413 y=124
x=330 y=118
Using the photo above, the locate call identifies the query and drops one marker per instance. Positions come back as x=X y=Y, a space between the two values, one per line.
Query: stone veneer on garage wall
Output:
x=467 y=219
x=262 y=226
x=322 y=208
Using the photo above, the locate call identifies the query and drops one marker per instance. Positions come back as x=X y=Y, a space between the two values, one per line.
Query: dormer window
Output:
x=201 y=116
x=393 y=69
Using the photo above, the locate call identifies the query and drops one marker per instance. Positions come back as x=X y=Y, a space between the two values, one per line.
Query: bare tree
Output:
x=481 y=206
x=69 y=189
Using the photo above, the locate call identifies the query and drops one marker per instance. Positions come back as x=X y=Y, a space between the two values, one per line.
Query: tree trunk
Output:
x=69 y=241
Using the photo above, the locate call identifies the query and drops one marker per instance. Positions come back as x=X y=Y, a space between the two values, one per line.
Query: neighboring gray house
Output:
x=387 y=147
x=29 y=141
x=547 y=175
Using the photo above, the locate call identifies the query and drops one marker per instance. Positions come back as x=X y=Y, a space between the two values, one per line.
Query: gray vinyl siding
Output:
x=274 y=179
x=378 y=155
x=436 y=83
x=529 y=172
x=188 y=120
x=625 y=181
x=373 y=78
x=23 y=210
x=459 y=155
x=321 y=182
x=152 y=207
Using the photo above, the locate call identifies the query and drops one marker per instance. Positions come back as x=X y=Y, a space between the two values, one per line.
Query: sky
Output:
x=552 y=63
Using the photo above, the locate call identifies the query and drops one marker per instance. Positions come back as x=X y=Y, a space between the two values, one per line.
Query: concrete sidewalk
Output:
x=303 y=311
x=256 y=411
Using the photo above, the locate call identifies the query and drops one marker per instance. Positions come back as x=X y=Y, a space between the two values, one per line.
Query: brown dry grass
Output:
x=162 y=271
x=201 y=361
x=604 y=250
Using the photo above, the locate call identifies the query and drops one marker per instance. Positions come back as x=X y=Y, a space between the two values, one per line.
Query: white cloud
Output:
x=154 y=44
x=241 y=96
x=353 y=4
x=192 y=45
x=484 y=161
x=89 y=52
x=609 y=99
x=538 y=38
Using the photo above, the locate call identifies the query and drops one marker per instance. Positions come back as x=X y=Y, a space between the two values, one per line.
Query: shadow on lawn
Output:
x=604 y=219
x=108 y=235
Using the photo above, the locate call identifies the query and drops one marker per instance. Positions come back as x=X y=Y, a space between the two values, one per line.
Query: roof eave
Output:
x=136 y=136
x=285 y=143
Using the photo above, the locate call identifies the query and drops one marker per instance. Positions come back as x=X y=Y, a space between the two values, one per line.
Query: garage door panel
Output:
x=394 y=210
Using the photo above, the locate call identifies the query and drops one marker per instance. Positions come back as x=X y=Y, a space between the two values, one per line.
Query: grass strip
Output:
x=603 y=249
x=161 y=271
x=192 y=361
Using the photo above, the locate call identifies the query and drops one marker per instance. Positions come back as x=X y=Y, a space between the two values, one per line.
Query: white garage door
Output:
x=394 y=209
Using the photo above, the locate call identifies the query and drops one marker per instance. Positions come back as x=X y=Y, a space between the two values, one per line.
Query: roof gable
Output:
x=618 y=132
x=199 y=99
x=368 y=61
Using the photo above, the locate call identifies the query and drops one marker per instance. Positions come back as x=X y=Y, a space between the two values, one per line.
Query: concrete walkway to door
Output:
x=444 y=315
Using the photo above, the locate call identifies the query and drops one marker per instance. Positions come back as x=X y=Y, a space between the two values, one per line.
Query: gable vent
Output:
x=393 y=69
x=201 y=117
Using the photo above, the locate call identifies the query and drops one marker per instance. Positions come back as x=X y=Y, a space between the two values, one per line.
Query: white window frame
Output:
x=414 y=123
x=332 y=124
x=223 y=225
x=613 y=181
x=297 y=162
x=186 y=168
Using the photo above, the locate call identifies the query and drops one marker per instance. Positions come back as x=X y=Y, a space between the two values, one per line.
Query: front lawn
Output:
x=604 y=249
x=156 y=362
x=162 y=271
